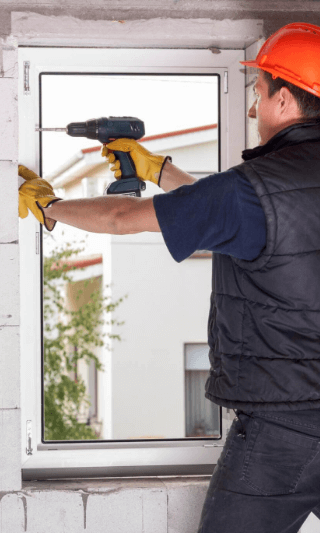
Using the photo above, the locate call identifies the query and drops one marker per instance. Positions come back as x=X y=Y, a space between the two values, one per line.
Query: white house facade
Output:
x=153 y=380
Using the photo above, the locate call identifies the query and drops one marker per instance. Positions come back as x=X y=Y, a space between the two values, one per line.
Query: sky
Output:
x=164 y=103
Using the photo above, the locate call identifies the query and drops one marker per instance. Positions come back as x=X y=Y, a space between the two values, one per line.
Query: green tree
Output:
x=68 y=337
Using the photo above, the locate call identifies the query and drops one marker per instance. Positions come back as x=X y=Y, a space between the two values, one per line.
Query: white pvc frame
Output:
x=101 y=459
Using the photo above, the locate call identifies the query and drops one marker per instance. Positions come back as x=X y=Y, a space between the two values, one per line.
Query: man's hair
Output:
x=308 y=103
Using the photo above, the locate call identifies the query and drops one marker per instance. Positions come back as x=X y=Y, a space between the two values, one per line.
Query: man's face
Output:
x=265 y=110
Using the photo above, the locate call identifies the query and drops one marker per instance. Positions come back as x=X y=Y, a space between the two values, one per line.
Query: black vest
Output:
x=264 y=322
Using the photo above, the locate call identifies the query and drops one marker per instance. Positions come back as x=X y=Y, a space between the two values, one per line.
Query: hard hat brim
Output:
x=252 y=63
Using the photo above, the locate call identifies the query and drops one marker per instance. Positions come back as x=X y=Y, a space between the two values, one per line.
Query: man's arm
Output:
x=118 y=215
x=172 y=177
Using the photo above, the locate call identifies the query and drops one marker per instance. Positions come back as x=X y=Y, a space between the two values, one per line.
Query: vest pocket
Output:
x=276 y=458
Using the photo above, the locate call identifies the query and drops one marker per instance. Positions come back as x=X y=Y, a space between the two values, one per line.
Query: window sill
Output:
x=113 y=483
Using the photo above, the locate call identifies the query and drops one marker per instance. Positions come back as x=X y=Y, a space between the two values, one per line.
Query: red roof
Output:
x=77 y=263
x=161 y=136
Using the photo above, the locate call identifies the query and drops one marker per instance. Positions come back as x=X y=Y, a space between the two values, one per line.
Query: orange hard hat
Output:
x=293 y=54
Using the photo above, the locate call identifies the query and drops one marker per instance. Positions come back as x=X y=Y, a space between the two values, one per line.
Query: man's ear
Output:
x=286 y=98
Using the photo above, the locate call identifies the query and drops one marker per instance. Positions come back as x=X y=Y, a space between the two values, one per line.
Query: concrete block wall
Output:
x=10 y=431
x=161 y=505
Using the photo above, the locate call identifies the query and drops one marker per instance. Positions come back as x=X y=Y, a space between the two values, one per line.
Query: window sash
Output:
x=171 y=457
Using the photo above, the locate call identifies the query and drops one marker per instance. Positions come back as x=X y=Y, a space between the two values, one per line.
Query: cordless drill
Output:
x=106 y=130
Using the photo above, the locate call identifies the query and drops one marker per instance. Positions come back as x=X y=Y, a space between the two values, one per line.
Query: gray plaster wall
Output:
x=274 y=13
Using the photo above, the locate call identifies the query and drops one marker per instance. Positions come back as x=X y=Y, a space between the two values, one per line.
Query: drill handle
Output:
x=126 y=164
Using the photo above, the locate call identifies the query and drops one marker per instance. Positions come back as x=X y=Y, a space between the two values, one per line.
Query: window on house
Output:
x=202 y=416
x=139 y=414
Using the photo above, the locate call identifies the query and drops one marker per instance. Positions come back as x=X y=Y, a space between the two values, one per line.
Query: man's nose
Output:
x=252 y=111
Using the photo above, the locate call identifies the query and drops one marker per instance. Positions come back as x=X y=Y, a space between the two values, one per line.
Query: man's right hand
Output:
x=148 y=166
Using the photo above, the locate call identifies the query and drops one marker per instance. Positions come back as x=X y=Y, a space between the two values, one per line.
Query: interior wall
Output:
x=273 y=13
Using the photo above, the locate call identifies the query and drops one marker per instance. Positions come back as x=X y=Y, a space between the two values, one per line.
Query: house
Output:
x=141 y=267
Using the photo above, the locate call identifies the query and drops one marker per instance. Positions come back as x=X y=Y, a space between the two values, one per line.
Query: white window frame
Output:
x=101 y=459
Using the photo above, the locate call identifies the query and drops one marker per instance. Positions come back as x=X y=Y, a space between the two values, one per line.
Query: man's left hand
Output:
x=34 y=194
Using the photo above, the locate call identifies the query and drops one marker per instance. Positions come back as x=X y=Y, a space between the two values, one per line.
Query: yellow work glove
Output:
x=35 y=194
x=148 y=166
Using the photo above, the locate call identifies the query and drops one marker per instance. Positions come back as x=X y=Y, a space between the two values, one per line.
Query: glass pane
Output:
x=118 y=310
x=202 y=415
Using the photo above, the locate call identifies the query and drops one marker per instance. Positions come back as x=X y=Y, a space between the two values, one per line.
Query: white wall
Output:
x=167 y=306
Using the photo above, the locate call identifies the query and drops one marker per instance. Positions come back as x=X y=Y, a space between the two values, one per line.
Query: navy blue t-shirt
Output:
x=221 y=213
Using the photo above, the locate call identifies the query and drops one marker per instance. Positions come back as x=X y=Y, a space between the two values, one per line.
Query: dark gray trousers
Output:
x=267 y=479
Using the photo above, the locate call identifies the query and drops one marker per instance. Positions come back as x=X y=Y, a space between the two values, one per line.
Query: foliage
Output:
x=69 y=336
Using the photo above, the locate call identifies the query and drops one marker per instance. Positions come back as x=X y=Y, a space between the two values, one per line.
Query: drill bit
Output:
x=52 y=129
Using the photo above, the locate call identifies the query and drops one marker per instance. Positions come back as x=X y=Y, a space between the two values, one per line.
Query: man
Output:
x=262 y=220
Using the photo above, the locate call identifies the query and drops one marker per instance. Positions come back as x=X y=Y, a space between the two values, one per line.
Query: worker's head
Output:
x=288 y=83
